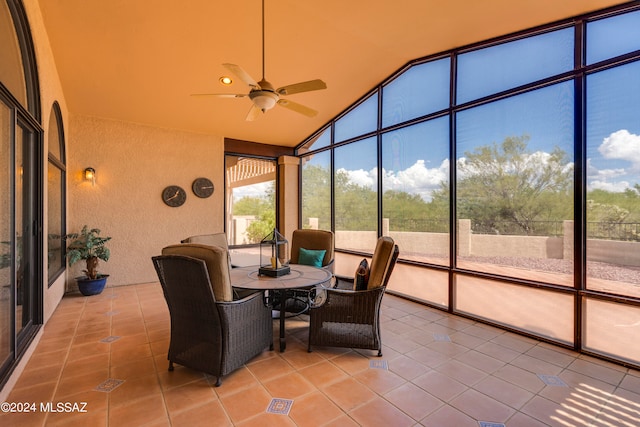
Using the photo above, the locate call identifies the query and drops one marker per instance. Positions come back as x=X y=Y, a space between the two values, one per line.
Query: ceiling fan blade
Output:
x=254 y=113
x=242 y=75
x=302 y=87
x=298 y=108
x=221 y=95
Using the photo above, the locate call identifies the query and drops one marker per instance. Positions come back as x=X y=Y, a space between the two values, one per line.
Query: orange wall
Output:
x=133 y=164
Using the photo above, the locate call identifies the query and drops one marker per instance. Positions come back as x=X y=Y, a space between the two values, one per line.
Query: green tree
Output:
x=608 y=211
x=356 y=205
x=501 y=184
x=409 y=212
x=263 y=209
x=607 y=206
x=316 y=195
x=260 y=228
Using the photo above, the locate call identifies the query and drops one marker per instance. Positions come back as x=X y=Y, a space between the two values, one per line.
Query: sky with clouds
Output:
x=615 y=169
x=618 y=166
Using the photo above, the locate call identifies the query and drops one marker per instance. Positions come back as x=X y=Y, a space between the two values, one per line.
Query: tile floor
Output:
x=437 y=370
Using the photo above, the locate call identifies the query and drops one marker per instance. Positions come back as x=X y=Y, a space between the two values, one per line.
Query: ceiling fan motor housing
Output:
x=264 y=98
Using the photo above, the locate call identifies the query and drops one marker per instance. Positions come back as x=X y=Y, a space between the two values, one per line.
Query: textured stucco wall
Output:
x=133 y=164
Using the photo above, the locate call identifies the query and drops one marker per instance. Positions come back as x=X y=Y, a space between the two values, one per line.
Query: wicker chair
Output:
x=207 y=334
x=297 y=303
x=314 y=240
x=349 y=318
x=215 y=239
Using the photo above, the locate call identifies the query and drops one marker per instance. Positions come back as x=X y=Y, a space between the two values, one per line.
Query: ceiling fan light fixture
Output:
x=264 y=100
x=226 y=80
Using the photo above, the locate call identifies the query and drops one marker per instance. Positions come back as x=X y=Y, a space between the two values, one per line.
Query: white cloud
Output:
x=605 y=174
x=417 y=179
x=622 y=145
x=361 y=177
x=614 y=187
x=254 y=190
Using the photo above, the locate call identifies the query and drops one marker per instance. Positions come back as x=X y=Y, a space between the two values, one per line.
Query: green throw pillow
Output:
x=311 y=257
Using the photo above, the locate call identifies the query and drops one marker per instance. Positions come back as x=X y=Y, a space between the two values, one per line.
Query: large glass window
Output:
x=12 y=70
x=55 y=193
x=356 y=195
x=316 y=191
x=415 y=183
x=6 y=250
x=420 y=90
x=21 y=197
x=359 y=121
x=495 y=69
x=251 y=199
x=613 y=180
x=320 y=140
x=613 y=36
x=515 y=186
x=529 y=126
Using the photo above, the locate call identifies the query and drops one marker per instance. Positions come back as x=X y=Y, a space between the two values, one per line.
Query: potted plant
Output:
x=89 y=246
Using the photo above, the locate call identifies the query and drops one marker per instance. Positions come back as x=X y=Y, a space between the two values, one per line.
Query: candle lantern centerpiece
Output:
x=274 y=255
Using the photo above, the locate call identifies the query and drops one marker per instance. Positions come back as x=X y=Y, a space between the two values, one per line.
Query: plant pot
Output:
x=89 y=287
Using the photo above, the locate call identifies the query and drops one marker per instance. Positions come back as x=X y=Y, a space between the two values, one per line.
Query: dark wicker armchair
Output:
x=209 y=335
x=349 y=318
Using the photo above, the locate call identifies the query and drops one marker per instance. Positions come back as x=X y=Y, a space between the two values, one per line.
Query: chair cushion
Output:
x=216 y=239
x=311 y=257
x=380 y=262
x=215 y=258
x=312 y=239
x=361 y=278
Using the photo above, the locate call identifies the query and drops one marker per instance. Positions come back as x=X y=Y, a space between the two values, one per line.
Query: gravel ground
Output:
x=597 y=270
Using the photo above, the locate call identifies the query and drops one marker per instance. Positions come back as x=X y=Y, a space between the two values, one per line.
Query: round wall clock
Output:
x=202 y=187
x=174 y=196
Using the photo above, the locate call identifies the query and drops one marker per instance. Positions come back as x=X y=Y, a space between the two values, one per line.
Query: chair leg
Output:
x=170 y=366
x=380 y=353
x=218 y=381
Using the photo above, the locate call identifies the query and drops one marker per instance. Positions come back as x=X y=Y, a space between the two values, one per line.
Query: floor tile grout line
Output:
x=66 y=358
x=155 y=366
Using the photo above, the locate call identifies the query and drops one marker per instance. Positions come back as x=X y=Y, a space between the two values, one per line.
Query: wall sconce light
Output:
x=90 y=175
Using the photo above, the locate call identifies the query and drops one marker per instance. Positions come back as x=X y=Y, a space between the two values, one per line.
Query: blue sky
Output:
x=416 y=159
x=613 y=128
x=420 y=155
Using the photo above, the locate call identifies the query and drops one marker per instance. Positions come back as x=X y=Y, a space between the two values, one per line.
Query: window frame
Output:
x=577 y=77
x=60 y=165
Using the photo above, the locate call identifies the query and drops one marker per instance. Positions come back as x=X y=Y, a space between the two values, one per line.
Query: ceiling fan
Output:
x=262 y=93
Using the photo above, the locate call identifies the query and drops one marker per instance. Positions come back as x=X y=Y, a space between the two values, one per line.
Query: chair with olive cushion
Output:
x=219 y=240
x=210 y=332
x=309 y=247
x=214 y=239
x=351 y=318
